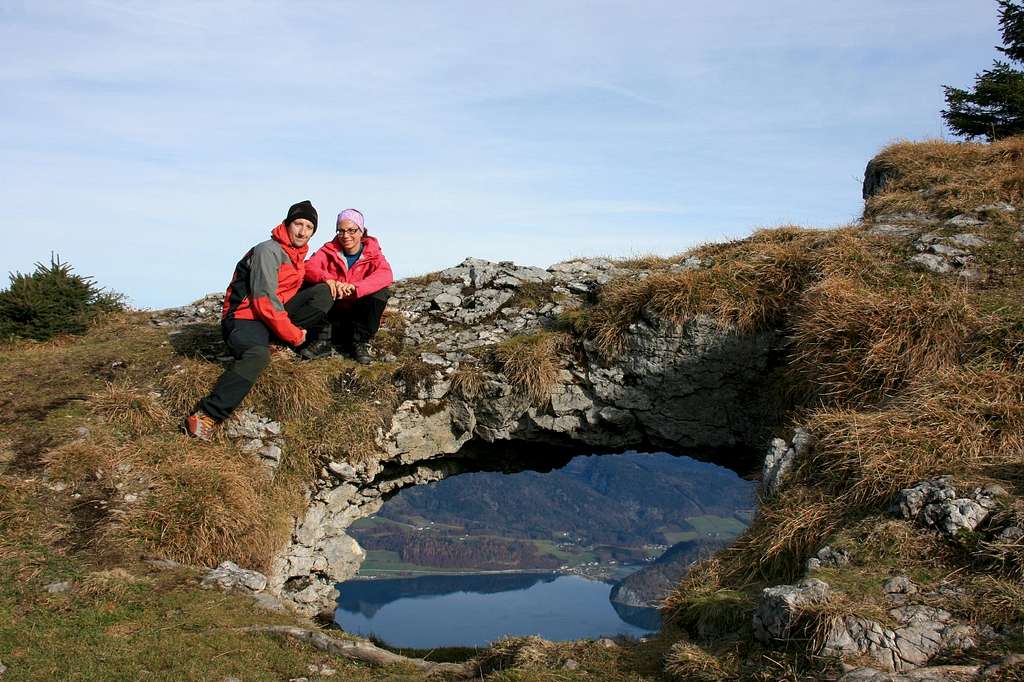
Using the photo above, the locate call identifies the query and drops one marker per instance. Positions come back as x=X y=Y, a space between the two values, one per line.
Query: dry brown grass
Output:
x=188 y=382
x=688 y=661
x=86 y=459
x=991 y=599
x=953 y=420
x=135 y=410
x=111 y=583
x=648 y=262
x=534 y=658
x=786 y=531
x=959 y=177
x=390 y=337
x=208 y=502
x=293 y=390
x=33 y=529
x=286 y=389
x=345 y=433
x=532 y=362
x=855 y=343
x=746 y=285
x=1006 y=554
x=415 y=375
x=467 y=381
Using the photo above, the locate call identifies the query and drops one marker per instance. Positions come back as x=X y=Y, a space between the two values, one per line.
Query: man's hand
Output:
x=333 y=284
x=303 y=339
x=345 y=289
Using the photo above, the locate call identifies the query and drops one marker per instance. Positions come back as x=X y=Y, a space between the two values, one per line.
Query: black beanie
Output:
x=303 y=209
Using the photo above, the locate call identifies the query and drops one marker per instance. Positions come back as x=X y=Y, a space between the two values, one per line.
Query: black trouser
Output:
x=249 y=342
x=357 y=320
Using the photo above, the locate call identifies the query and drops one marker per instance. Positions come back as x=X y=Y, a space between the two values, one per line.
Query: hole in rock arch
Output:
x=566 y=546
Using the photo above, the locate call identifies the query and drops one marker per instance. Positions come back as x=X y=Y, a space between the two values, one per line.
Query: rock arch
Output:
x=696 y=389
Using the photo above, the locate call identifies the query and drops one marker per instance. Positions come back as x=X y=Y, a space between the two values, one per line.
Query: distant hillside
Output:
x=648 y=586
x=620 y=500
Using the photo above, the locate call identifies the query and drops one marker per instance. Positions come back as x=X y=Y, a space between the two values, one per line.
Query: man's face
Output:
x=299 y=231
x=349 y=235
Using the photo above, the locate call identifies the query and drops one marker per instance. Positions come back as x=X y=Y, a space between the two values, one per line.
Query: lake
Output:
x=473 y=610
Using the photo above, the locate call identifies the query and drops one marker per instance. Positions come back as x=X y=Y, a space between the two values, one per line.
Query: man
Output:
x=263 y=303
x=358 y=274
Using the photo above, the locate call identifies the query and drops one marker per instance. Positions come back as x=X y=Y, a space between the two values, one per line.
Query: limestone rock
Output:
x=935 y=504
x=924 y=631
x=675 y=387
x=968 y=241
x=778 y=607
x=780 y=457
x=963 y=220
x=889 y=230
x=343 y=470
x=932 y=262
x=230 y=575
x=829 y=557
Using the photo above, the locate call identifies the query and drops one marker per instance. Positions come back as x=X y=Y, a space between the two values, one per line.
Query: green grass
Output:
x=163 y=627
x=722 y=525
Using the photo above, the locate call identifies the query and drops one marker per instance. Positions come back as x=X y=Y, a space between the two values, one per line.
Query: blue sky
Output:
x=151 y=144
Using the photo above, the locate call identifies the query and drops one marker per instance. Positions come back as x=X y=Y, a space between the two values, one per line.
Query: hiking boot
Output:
x=361 y=352
x=199 y=425
x=321 y=348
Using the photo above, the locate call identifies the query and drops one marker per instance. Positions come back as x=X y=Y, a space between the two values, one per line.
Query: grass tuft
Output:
x=206 y=502
x=688 y=661
x=746 y=285
x=136 y=411
x=111 y=583
x=286 y=389
x=855 y=343
x=531 y=362
x=467 y=381
x=186 y=384
x=958 y=177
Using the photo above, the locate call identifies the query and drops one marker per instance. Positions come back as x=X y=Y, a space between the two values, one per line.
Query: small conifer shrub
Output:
x=52 y=300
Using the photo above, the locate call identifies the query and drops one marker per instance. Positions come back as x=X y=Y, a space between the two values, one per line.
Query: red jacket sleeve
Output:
x=317 y=267
x=266 y=303
x=380 y=278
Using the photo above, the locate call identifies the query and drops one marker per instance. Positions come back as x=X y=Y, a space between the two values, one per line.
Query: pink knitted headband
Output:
x=353 y=215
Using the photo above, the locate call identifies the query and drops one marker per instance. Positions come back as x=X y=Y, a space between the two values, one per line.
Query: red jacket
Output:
x=265 y=279
x=369 y=274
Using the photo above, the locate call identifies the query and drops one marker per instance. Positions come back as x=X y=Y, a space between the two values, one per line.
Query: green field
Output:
x=716 y=524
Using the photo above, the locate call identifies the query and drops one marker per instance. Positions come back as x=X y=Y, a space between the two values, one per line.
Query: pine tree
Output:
x=995 y=108
x=52 y=300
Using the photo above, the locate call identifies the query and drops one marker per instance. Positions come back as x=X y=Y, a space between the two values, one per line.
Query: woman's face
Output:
x=349 y=235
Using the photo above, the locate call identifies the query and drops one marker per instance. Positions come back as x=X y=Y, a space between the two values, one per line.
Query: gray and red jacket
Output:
x=265 y=279
x=369 y=274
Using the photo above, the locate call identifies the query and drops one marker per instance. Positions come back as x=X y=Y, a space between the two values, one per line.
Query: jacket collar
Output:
x=296 y=254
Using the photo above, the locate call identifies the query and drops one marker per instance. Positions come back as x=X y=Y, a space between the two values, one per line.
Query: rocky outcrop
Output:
x=923 y=632
x=780 y=458
x=779 y=608
x=943 y=247
x=696 y=389
x=936 y=504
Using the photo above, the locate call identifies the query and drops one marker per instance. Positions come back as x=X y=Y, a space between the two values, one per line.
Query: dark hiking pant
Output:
x=249 y=343
x=356 y=320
